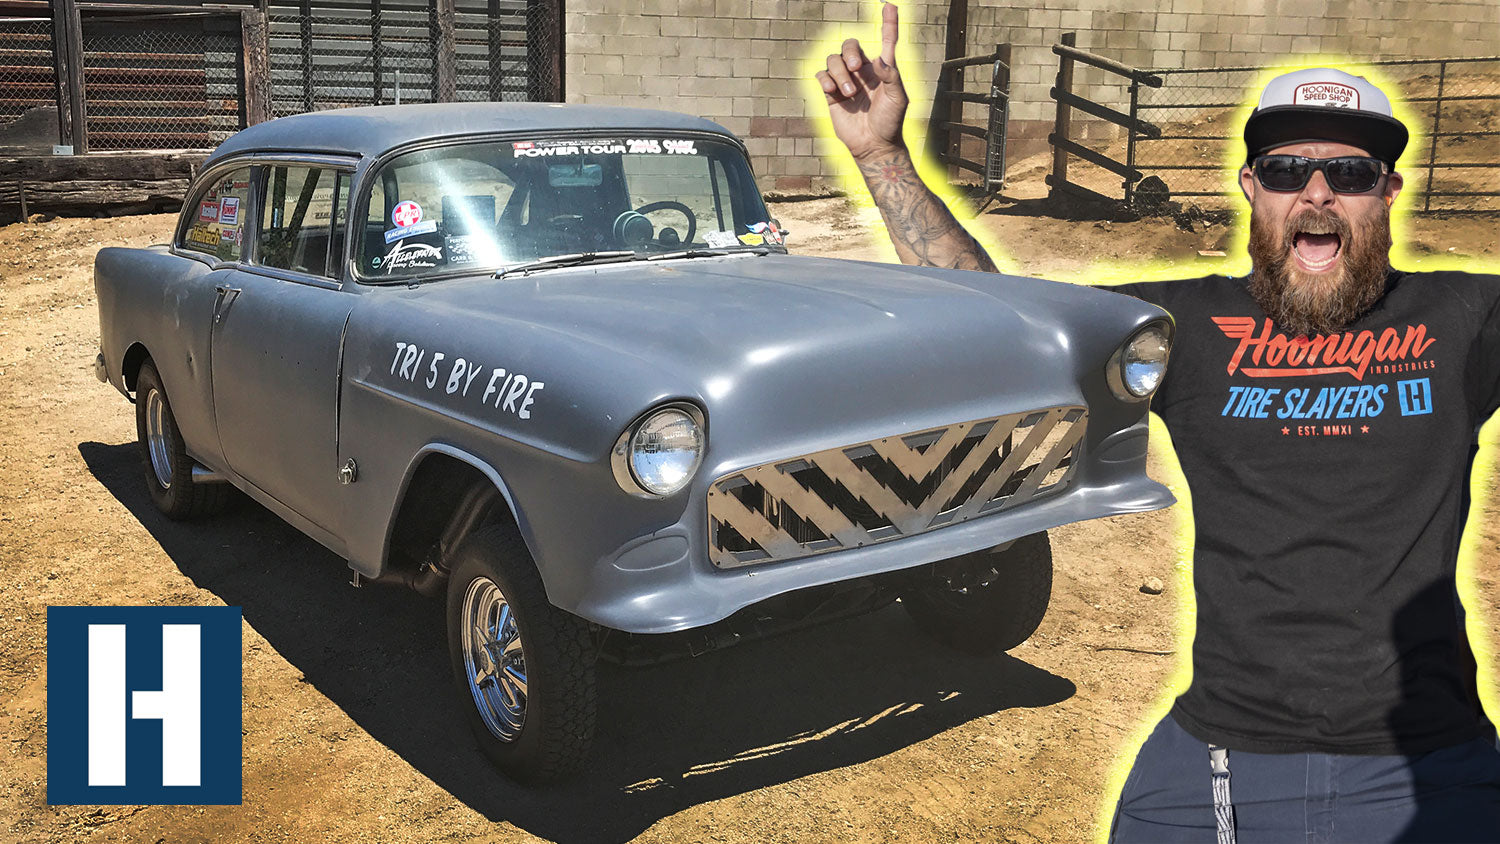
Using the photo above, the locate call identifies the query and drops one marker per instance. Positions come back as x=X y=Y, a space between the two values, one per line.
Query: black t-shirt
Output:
x=1329 y=480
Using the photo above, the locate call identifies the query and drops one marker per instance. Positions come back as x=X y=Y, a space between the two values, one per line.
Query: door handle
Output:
x=227 y=296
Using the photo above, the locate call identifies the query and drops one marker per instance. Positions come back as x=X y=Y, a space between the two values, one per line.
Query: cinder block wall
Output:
x=1210 y=33
x=740 y=62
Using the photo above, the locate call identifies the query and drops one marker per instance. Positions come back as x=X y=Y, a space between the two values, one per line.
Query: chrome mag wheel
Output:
x=158 y=441
x=494 y=659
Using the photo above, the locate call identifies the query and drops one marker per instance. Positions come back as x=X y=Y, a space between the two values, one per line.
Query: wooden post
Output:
x=937 y=140
x=544 y=50
x=67 y=38
x=255 y=66
x=1437 y=125
x=21 y=194
x=60 y=76
x=445 y=83
x=1064 y=124
x=957 y=46
x=494 y=61
x=307 y=70
x=377 y=60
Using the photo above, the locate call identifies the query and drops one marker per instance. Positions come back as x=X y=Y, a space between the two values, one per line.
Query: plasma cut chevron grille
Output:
x=892 y=487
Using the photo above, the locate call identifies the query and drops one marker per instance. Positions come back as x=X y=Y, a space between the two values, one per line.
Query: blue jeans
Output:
x=1447 y=795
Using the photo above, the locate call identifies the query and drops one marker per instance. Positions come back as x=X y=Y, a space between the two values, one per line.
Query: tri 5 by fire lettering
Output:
x=143 y=705
x=512 y=392
x=1264 y=353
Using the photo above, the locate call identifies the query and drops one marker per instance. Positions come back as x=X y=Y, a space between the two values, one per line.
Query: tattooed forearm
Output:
x=923 y=229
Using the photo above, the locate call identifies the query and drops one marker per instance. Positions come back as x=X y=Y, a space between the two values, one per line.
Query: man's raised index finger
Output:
x=889 y=30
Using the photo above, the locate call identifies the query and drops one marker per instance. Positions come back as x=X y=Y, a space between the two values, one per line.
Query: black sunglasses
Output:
x=1345 y=174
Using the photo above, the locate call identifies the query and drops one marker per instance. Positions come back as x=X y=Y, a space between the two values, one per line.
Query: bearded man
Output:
x=1325 y=411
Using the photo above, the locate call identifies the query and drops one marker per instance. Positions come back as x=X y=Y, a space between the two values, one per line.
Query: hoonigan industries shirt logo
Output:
x=1265 y=353
x=1272 y=354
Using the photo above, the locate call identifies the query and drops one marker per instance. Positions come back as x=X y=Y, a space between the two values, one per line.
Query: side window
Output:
x=296 y=221
x=217 y=224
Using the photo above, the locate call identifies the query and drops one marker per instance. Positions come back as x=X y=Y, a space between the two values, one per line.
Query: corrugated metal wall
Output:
x=155 y=77
x=336 y=53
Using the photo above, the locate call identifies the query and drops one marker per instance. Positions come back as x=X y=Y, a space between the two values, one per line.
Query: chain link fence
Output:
x=501 y=51
x=167 y=81
x=28 y=82
x=1452 y=107
x=158 y=78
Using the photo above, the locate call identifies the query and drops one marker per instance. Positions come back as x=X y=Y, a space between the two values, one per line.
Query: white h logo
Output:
x=177 y=705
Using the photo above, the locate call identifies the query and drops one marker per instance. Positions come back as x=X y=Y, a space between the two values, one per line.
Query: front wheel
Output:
x=169 y=469
x=999 y=611
x=524 y=667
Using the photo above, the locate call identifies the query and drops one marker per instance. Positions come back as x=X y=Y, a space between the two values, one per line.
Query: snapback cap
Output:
x=1323 y=104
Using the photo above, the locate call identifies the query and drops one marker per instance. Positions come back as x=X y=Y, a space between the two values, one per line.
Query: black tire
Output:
x=994 y=617
x=168 y=468
x=556 y=652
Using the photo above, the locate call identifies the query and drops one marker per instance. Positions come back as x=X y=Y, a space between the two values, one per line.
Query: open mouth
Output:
x=1317 y=248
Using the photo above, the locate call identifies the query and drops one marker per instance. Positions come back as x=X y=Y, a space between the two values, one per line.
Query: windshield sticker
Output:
x=208 y=212
x=229 y=211
x=470 y=248
x=407 y=256
x=230 y=236
x=671 y=146
x=752 y=239
x=406 y=214
x=769 y=230
x=427 y=227
x=549 y=149
x=720 y=240
x=510 y=392
x=633 y=146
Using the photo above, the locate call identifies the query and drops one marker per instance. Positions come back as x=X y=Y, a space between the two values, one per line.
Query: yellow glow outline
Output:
x=829 y=40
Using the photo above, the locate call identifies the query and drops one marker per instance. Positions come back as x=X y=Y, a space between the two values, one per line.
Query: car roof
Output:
x=369 y=131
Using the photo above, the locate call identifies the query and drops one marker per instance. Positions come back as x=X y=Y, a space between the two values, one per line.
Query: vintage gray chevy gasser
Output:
x=556 y=361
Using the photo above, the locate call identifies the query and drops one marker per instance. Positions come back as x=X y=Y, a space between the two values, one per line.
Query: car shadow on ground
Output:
x=670 y=736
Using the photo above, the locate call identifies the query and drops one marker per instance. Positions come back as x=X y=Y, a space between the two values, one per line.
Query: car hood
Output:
x=783 y=351
x=752 y=310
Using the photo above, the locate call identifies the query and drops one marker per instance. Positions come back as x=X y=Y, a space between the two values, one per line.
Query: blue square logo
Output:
x=1415 y=396
x=143 y=705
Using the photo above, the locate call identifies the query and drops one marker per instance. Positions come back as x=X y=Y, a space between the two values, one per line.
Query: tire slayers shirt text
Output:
x=1329 y=481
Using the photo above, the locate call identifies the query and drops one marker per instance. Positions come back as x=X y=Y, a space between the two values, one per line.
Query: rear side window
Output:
x=217 y=225
x=297 y=220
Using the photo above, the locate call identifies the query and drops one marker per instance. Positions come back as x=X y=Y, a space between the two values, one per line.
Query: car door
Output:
x=278 y=337
x=211 y=233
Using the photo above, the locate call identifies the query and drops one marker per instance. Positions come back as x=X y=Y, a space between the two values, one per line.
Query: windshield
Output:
x=486 y=206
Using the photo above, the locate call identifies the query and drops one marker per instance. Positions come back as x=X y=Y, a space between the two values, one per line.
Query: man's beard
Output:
x=1304 y=303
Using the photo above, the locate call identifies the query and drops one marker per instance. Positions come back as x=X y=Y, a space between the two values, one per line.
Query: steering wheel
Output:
x=665 y=204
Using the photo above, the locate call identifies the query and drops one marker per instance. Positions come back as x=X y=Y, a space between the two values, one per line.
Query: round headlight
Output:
x=665 y=451
x=1142 y=362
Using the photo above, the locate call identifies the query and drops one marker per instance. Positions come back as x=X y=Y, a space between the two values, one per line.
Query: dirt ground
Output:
x=861 y=731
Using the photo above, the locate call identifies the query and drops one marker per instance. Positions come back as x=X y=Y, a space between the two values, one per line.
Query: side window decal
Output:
x=216 y=225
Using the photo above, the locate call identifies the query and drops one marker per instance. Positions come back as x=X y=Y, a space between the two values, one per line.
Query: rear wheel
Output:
x=168 y=468
x=524 y=667
x=1000 y=609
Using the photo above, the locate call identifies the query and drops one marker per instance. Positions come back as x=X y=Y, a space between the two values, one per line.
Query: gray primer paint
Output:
x=785 y=355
